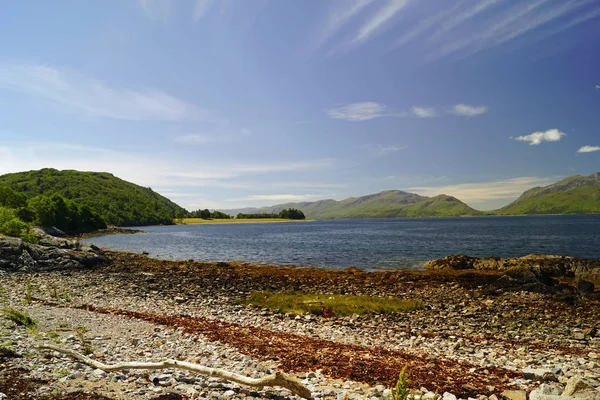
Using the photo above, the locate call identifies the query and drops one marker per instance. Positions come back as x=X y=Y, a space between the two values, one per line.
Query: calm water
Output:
x=368 y=243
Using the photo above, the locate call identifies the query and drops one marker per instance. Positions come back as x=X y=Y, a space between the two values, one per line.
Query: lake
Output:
x=367 y=243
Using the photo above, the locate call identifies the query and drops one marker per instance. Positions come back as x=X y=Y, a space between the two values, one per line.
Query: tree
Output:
x=292 y=213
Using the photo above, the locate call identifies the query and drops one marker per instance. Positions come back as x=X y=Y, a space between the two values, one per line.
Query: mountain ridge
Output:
x=573 y=195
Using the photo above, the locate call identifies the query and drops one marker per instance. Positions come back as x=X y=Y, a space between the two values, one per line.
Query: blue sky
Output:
x=225 y=103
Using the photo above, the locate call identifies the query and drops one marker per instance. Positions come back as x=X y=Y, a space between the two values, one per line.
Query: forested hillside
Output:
x=119 y=202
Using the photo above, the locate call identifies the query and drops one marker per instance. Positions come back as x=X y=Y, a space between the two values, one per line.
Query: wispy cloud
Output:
x=156 y=9
x=588 y=149
x=368 y=110
x=482 y=193
x=359 y=111
x=92 y=97
x=382 y=17
x=381 y=150
x=279 y=197
x=201 y=7
x=341 y=16
x=423 y=112
x=466 y=14
x=468 y=111
x=535 y=138
x=214 y=137
x=522 y=19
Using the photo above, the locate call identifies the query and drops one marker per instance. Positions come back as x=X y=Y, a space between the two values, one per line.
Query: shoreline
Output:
x=472 y=322
x=240 y=221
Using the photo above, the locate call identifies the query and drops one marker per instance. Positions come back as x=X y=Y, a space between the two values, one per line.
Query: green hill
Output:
x=119 y=202
x=387 y=204
x=573 y=195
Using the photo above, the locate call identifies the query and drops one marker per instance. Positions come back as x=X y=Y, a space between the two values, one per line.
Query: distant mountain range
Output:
x=574 y=195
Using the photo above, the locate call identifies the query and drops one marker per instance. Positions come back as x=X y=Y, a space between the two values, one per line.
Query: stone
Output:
x=448 y=396
x=539 y=373
x=229 y=393
x=179 y=299
x=514 y=395
x=585 y=286
x=576 y=385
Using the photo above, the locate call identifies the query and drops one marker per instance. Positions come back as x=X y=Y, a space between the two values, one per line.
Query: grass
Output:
x=232 y=221
x=319 y=304
x=18 y=317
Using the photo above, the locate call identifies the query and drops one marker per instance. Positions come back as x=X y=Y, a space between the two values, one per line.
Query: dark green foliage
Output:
x=117 y=202
x=291 y=213
x=206 y=214
x=64 y=214
x=256 y=216
x=11 y=199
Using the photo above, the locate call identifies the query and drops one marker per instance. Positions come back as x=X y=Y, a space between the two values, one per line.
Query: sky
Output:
x=232 y=103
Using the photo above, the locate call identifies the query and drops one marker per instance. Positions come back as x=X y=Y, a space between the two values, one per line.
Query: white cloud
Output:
x=201 y=8
x=468 y=111
x=341 y=17
x=379 y=20
x=551 y=135
x=359 y=111
x=482 y=193
x=423 y=112
x=588 y=149
x=95 y=98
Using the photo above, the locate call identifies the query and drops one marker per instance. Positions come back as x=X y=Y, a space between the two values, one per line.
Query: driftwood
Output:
x=277 y=379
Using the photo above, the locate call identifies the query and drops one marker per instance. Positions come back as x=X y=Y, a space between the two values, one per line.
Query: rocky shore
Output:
x=510 y=331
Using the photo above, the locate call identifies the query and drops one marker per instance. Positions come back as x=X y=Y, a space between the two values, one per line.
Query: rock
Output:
x=228 y=394
x=585 y=286
x=179 y=299
x=98 y=373
x=514 y=395
x=540 y=373
x=576 y=385
x=448 y=396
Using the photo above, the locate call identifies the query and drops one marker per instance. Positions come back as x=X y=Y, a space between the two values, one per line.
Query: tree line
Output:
x=18 y=214
x=207 y=214
x=290 y=213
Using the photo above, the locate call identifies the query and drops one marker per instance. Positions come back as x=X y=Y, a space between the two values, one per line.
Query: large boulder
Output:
x=16 y=255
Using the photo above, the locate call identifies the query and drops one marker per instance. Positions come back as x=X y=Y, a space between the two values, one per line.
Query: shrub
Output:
x=15 y=227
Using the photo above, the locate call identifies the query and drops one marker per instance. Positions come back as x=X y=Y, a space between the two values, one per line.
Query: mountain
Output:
x=387 y=204
x=573 y=195
x=119 y=202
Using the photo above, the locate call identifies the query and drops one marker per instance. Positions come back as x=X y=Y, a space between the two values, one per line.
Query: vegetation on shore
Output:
x=289 y=213
x=18 y=214
x=230 y=220
x=118 y=202
x=330 y=304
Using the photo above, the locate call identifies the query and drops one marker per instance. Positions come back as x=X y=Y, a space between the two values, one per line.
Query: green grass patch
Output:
x=18 y=317
x=319 y=304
